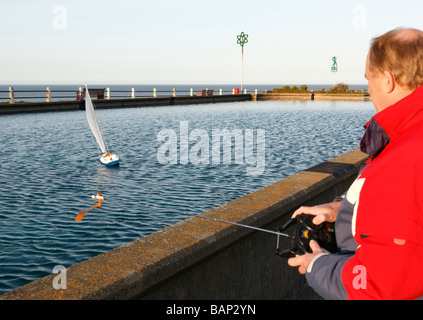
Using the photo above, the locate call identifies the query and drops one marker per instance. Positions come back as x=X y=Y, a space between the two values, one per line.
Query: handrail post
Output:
x=108 y=93
x=154 y=93
x=174 y=92
x=220 y=91
x=48 y=94
x=191 y=93
x=133 y=93
x=11 y=96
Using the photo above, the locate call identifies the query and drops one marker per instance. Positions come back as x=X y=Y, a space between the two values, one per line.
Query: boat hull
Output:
x=110 y=159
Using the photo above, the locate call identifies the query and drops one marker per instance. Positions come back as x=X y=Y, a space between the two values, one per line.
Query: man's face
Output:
x=377 y=88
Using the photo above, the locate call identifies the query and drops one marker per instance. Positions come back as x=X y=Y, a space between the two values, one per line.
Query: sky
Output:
x=193 y=41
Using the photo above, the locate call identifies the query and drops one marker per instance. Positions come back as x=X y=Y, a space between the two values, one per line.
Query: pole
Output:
x=11 y=95
x=241 y=40
x=242 y=69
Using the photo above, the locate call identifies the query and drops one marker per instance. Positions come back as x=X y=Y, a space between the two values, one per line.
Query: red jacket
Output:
x=379 y=226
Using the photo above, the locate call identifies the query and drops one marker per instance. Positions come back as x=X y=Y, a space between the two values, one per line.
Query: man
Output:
x=379 y=221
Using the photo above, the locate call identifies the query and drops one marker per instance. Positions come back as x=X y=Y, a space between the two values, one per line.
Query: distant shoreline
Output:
x=38 y=93
x=74 y=105
x=249 y=87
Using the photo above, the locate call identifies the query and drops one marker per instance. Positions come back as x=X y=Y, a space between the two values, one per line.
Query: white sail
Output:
x=93 y=122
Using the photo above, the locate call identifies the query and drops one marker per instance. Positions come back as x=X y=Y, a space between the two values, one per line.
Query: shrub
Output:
x=286 y=89
x=339 y=87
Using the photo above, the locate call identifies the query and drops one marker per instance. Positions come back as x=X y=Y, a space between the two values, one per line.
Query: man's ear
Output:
x=389 y=82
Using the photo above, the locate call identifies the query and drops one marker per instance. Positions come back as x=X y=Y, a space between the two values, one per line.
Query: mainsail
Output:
x=93 y=122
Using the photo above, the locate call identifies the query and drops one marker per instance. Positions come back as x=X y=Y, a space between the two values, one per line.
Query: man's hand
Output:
x=324 y=212
x=302 y=261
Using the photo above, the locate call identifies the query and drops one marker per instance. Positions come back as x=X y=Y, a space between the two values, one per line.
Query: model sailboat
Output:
x=107 y=158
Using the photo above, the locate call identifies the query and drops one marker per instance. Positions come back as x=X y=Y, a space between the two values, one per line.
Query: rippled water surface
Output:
x=50 y=169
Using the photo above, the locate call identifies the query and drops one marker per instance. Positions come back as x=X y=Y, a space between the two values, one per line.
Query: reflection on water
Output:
x=50 y=169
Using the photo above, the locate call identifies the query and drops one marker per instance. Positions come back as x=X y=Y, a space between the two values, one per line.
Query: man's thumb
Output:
x=314 y=246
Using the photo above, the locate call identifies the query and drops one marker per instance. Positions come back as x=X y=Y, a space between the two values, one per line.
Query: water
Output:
x=50 y=169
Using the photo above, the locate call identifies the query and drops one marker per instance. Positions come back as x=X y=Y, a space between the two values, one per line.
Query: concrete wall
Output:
x=314 y=96
x=31 y=107
x=202 y=259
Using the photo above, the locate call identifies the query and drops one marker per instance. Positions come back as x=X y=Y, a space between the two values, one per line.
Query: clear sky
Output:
x=193 y=41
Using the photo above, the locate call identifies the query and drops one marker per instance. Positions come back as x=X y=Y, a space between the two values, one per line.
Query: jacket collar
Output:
x=386 y=125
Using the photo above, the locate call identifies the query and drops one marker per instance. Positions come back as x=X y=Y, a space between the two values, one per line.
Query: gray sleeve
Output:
x=324 y=275
x=341 y=197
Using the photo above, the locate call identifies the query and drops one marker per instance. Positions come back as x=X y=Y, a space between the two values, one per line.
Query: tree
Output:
x=303 y=88
x=339 y=87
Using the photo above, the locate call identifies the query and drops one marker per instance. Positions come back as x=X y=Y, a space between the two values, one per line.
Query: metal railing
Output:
x=48 y=95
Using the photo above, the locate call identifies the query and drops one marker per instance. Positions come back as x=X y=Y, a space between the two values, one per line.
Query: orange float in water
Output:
x=80 y=215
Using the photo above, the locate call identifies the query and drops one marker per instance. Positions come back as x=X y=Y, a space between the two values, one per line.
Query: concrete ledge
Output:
x=202 y=259
x=314 y=96
x=284 y=96
x=31 y=107
x=342 y=96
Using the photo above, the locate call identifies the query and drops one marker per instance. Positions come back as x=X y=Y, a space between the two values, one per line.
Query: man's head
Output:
x=394 y=66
